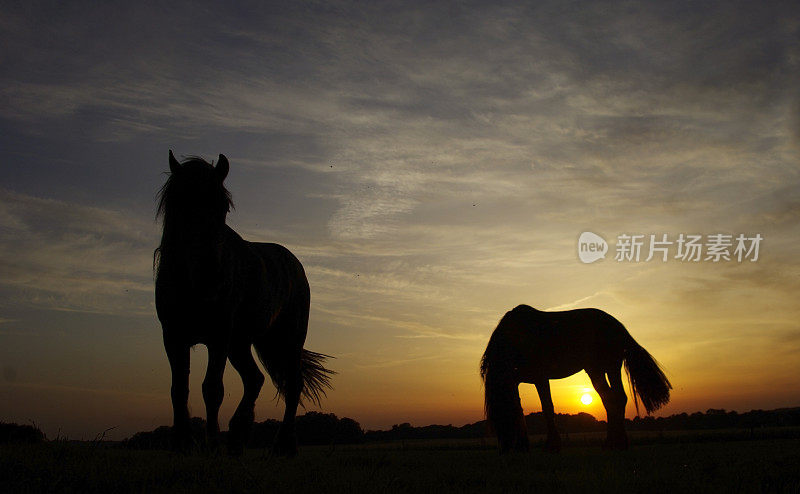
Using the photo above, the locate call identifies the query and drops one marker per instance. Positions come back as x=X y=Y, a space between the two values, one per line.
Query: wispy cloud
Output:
x=66 y=256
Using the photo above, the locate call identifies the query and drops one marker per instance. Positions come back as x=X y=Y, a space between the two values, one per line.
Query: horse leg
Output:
x=619 y=399
x=598 y=378
x=553 y=443
x=213 y=390
x=504 y=413
x=241 y=358
x=294 y=326
x=178 y=356
x=286 y=441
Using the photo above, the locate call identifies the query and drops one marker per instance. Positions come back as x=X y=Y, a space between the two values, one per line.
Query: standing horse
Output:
x=214 y=288
x=531 y=346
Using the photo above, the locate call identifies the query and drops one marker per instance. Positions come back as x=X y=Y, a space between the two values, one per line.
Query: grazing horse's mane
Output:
x=173 y=193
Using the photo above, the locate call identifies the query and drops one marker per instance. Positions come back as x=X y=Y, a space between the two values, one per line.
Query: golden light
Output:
x=586 y=399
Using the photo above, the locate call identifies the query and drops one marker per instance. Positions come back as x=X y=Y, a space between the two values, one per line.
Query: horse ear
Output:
x=174 y=166
x=222 y=167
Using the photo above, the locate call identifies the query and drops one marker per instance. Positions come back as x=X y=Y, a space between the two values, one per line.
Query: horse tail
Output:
x=314 y=377
x=502 y=405
x=647 y=381
x=280 y=349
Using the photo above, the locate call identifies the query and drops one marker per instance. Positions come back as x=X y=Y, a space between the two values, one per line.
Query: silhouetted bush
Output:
x=15 y=433
x=406 y=431
x=263 y=433
x=326 y=428
x=583 y=422
x=718 y=419
x=312 y=428
x=161 y=437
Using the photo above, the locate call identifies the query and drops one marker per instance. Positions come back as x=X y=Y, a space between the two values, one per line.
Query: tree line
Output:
x=315 y=428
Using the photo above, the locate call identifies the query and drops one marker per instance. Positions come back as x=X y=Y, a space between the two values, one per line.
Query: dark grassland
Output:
x=765 y=460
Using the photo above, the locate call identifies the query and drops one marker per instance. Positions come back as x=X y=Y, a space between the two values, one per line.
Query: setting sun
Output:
x=586 y=399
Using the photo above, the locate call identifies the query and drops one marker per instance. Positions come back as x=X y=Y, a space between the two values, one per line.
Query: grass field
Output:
x=679 y=462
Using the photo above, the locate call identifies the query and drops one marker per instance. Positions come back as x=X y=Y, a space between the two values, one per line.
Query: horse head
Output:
x=194 y=198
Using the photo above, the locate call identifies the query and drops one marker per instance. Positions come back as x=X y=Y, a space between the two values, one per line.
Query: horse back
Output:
x=569 y=325
x=246 y=284
x=561 y=343
x=283 y=272
x=277 y=287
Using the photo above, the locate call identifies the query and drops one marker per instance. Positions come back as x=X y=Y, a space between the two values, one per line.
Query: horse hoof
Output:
x=235 y=449
x=285 y=446
x=285 y=443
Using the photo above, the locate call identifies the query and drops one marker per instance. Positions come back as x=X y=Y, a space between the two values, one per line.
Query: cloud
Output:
x=600 y=98
x=65 y=256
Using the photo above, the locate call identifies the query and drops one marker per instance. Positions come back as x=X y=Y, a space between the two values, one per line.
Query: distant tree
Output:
x=349 y=431
x=15 y=433
x=263 y=433
x=312 y=428
x=327 y=428
x=161 y=437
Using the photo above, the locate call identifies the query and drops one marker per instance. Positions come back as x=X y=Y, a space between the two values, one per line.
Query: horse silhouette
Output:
x=213 y=287
x=532 y=346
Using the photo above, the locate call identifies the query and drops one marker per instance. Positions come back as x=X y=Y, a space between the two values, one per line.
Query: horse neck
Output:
x=178 y=238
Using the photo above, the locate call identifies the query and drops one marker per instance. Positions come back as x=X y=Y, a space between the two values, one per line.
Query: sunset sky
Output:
x=431 y=166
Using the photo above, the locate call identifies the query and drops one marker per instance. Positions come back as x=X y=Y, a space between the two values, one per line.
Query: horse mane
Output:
x=171 y=194
x=498 y=350
x=502 y=406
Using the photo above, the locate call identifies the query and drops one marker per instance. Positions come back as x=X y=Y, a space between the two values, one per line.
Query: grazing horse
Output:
x=531 y=346
x=214 y=288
